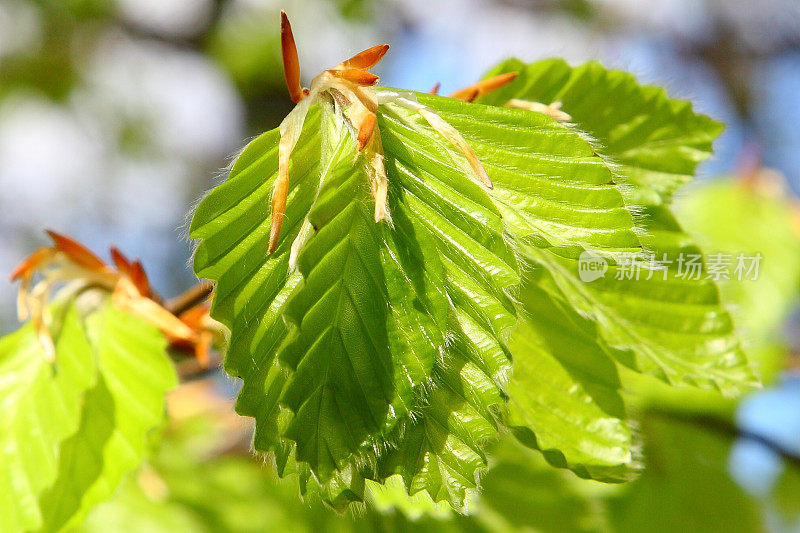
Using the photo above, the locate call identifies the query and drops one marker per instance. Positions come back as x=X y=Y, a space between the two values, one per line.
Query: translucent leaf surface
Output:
x=118 y=412
x=665 y=322
x=564 y=392
x=41 y=406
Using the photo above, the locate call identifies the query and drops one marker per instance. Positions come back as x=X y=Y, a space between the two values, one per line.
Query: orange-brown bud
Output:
x=366 y=130
x=77 y=252
x=26 y=268
x=468 y=94
x=291 y=63
x=359 y=77
x=368 y=58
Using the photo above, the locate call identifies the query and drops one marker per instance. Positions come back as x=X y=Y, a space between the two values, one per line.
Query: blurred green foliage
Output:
x=49 y=65
x=753 y=214
x=190 y=485
x=685 y=488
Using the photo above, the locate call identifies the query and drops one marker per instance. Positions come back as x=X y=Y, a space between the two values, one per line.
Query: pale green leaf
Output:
x=367 y=312
x=748 y=217
x=368 y=318
x=391 y=494
x=522 y=492
x=125 y=404
x=663 y=323
x=564 y=392
x=41 y=406
x=686 y=486
x=656 y=140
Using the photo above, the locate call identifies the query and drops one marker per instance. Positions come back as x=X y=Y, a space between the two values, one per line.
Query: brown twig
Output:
x=190 y=369
x=190 y=298
x=730 y=430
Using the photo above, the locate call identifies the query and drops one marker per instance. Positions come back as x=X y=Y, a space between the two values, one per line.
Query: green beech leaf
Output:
x=118 y=412
x=367 y=315
x=564 y=392
x=368 y=319
x=426 y=179
x=41 y=406
x=300 y=338
x=444 y=447
x=656 y=140
x=663 y=323
x=549 y=184
x=445 y=452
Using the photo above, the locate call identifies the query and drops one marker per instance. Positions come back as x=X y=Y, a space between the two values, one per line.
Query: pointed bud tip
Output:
x=274 y=236
x=19 y=271
x=119 y=259
x=383 y=49
x=16 y=273
x=30 y=263
x=76 y=251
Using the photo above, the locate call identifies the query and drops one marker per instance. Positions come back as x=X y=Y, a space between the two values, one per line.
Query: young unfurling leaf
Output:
x=399 y=273
x=369 y=258
x=661 y=321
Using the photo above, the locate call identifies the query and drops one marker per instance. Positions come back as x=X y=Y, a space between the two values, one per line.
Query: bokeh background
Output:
x=116 y=116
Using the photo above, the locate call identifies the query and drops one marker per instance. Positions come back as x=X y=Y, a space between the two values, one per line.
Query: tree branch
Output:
x=729 y=429
x=190 y=298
